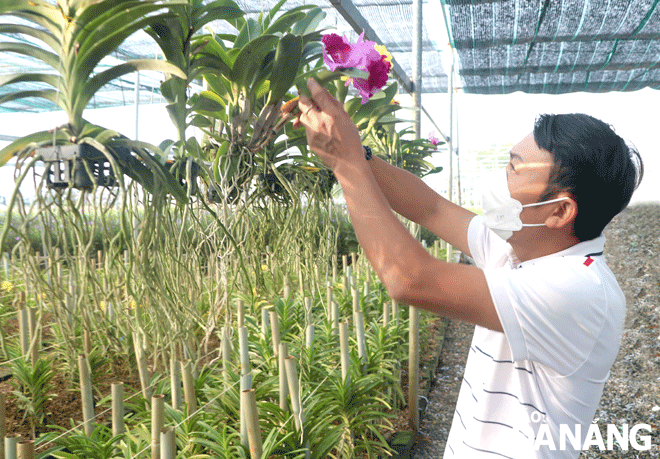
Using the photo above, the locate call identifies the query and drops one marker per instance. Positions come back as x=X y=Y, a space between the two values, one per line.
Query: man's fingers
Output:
x=322 y=98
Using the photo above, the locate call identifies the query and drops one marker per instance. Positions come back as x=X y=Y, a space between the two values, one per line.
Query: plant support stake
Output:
x=11 y=446
x=86 y=394
x=157 y=423
x=249 y=404
x=117 y=410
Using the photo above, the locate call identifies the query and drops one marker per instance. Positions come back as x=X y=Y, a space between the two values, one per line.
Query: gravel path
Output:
x=632 y=394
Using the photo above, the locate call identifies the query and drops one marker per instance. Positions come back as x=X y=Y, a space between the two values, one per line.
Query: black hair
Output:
x=591 y=162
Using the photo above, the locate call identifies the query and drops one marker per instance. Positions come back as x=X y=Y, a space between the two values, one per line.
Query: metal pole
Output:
x=413 y=332
x=458 y=158
x=137 y=103
x=451 y=143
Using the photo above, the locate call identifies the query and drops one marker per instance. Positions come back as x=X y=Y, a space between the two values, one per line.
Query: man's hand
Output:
x=331 y=133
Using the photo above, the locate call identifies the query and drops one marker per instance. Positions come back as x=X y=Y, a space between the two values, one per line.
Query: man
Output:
x=549 y=313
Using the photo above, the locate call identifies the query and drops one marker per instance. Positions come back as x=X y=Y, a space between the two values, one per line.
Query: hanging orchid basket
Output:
x=80 y=166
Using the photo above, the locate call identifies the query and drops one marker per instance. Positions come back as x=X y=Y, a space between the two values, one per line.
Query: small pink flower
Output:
x=433 y=139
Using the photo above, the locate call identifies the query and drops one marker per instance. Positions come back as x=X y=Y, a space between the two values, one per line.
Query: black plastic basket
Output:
x=65 y=166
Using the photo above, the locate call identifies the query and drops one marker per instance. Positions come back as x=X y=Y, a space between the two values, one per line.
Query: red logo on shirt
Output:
x=588 y=261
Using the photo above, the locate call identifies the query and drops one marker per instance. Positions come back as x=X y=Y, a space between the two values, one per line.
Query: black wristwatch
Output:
x=367 y=152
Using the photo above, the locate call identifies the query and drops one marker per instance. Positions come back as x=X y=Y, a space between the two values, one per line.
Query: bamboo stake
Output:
x=386 y=314
x=23 y=327
x=226 y=353
x=265 y=322
x=334 y=270
x=26 y=449
x=355 y=293
x=284 y=387
x=413 y=370
x=329 y=300
x=395 y=313
x=34 y=340
x=287 y=288
x=86 y=394
x=309 y=336
x=294 y=391
x=335 y=318
x=301 y=280
x=241 y=313
x=117 y=410
x=343 y=345
x=361 y=339
x=188 y=387
x=167 y=443
x=275 y=330
x=87 y=342
x=157 y=423
x=143 y=370
x=3 y=423
x=244 y=350
x=308 y=310
x=245 y=381
x=249 y=405
x=7 y=266
x=175 y=382
x=11 y=446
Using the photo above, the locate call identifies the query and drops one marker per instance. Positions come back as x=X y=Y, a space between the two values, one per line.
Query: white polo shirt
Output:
x=563 y=317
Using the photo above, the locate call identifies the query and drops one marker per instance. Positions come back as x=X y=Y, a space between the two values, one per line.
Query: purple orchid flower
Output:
x=338 y=53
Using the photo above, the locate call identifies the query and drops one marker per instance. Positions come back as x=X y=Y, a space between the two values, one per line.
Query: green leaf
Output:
x=285 y=66
x=47 y=94
x=48 y=78
x=284 y=22
x=354 y=73
x=42 y=35
x=37 y=139
x=222 y=151
x=200 y=121
x=217 y=10
x=208 y=102
x=273 y=11
x=310 y=23
x=32 y=51
x=250 y=30
x=250 y=59
x=101 y=79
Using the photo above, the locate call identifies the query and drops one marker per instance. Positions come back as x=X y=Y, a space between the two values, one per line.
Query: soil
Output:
x=632 y=393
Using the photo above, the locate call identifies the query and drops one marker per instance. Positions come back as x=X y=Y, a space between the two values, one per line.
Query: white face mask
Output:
x=501 y=213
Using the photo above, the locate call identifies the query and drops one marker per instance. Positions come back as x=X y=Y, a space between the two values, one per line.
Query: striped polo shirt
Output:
x=563 y=317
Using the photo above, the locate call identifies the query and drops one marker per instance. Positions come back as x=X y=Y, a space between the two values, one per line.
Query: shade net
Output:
x=391 y=20
x=556 y=46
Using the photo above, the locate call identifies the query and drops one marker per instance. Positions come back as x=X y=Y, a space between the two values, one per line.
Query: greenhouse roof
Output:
x=556 y=46
x=503 y=46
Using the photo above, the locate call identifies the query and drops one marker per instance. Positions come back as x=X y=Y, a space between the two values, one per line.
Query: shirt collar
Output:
x=591 y=247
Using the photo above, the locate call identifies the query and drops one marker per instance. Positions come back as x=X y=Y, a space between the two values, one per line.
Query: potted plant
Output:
x=76 y=35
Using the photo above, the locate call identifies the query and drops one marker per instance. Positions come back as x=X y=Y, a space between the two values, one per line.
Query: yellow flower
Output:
x=132 y=304
x=264 y=267
x=102 y=305
x=384 y=52
x=7 y=286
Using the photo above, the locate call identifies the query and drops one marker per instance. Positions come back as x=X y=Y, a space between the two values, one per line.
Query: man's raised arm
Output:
x=410 y=197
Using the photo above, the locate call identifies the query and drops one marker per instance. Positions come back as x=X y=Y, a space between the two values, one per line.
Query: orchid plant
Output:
x=71 y=38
